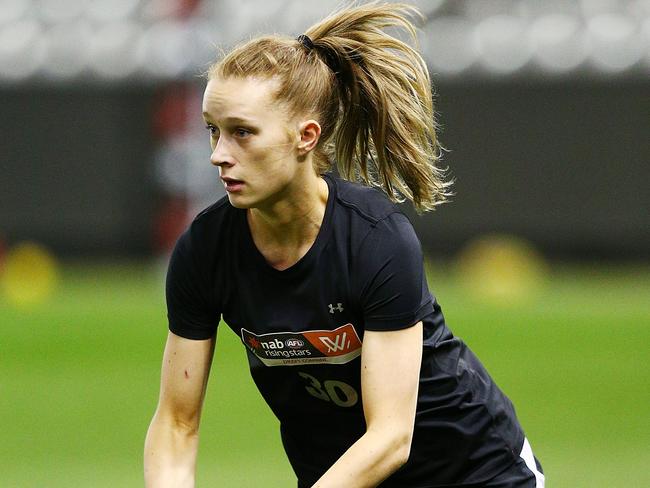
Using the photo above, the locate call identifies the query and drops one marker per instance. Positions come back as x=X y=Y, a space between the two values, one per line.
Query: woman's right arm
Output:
x=172 y=439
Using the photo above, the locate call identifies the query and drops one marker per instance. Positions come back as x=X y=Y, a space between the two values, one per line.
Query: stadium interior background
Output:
x=543 y=255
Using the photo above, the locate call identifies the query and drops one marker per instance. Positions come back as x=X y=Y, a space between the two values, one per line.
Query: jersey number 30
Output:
x=337 y=392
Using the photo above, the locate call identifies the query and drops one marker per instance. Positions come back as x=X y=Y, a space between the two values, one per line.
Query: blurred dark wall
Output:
x=75 y=168
x=564 y=163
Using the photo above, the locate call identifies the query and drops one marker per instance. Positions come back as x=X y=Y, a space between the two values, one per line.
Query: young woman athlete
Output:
x=322 y=278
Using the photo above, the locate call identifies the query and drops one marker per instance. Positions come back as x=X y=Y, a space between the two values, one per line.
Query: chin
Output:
x=239 y=201
x=248 y=200
x=236 y=202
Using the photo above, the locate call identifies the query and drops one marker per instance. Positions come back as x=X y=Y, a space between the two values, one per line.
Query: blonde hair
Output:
x=370 y=92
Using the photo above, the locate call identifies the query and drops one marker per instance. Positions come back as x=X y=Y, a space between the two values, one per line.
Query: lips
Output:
x=232 y=185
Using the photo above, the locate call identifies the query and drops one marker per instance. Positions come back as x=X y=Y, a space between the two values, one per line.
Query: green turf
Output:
x=79 y=381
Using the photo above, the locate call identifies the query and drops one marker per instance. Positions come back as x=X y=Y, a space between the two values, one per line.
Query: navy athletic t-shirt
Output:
x=303 y=331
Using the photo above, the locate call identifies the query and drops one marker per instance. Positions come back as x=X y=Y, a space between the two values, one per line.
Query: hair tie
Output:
x=305 y=41
x=331 y=60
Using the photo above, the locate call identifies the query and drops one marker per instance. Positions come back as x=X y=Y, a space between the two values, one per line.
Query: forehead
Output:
x=245 y=98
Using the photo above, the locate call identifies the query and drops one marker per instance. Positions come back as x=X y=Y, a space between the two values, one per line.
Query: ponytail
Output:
x=370 y=91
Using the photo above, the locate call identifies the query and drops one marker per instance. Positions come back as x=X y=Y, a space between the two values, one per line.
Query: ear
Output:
x=309 y=132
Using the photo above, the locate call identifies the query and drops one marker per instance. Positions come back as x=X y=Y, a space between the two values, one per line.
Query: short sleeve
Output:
x=393 y=287
x=190 y=310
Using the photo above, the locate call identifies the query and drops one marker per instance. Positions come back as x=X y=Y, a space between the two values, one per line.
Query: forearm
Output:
x=368 y=462
x=170 y=454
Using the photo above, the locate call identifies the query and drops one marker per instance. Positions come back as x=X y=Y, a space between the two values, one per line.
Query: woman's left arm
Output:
x=390 y=370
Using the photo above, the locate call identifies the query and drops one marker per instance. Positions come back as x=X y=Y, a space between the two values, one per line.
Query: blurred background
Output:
x=542 y=260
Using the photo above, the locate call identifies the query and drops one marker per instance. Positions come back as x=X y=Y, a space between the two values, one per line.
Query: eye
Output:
x=242 y=132
x=212 y=129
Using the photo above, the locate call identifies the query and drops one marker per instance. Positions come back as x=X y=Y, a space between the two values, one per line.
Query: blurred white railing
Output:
x=158 y=40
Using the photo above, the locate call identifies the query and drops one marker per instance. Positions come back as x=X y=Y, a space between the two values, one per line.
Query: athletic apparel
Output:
x=303 y=331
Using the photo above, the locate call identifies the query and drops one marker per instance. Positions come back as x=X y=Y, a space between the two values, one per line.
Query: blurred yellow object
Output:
x=501 y=269
x=29 y=275
x=2 y=254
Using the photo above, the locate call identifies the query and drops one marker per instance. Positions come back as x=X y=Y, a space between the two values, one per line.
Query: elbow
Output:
x=398 y=450
x=402 y=449
x=187 y=426
x=181 y=424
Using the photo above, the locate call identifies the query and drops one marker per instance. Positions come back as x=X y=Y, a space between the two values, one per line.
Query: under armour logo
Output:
x=339 y=307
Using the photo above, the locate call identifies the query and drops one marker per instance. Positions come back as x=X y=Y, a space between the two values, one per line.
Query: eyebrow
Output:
x=231 y=119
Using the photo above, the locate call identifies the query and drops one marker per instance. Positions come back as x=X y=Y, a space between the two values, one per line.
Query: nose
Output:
x=220 y=155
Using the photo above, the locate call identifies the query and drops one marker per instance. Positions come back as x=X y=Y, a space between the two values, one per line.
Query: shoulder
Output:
x=214 y=214
x=204 y=234
x=369 y=209
x=210 y=222
x=370 y=204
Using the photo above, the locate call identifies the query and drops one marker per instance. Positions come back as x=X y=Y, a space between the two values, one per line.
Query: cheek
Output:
x=273 y=155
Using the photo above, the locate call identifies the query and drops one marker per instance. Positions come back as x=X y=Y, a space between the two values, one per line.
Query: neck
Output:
x=293 y=220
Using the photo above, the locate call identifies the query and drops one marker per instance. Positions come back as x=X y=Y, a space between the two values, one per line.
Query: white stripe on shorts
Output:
x=527 y=455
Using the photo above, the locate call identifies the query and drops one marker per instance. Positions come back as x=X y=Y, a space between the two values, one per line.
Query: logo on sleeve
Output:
x=338 y=346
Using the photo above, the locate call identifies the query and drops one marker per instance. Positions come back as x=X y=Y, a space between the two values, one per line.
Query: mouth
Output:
x=231 y=184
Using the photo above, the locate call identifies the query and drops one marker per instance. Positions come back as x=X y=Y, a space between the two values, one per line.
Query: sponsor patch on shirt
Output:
x=338 y=346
